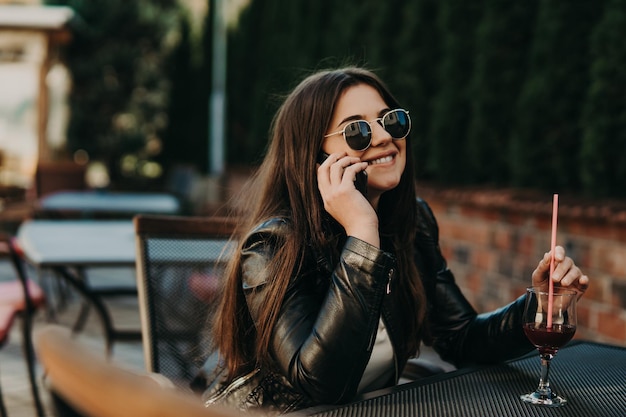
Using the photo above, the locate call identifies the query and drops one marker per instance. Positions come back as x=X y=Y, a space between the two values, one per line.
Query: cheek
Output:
x=336 y=144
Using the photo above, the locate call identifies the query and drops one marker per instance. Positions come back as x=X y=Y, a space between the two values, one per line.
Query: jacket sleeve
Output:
x=460 y=335
x=323 y=339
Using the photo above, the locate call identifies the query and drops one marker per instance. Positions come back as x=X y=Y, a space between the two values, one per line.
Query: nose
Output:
x=379 y=135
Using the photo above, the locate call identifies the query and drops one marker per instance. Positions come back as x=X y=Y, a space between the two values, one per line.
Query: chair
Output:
x=95 y=387
x=21 y=297
x=179 y=262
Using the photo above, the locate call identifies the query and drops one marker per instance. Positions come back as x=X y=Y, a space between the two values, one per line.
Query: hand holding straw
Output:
x=555 y=205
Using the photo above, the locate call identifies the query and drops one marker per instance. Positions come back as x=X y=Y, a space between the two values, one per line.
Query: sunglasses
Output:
x=358 y=133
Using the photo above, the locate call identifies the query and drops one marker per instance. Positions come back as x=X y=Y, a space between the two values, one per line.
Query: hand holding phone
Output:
x=360 y=181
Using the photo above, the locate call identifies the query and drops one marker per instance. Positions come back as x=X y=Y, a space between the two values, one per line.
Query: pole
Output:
x=217 y=104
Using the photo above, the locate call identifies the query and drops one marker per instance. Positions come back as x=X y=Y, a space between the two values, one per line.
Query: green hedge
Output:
x=603 y=149
x=525 y=94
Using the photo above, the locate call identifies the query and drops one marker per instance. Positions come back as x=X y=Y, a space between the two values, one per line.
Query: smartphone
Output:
x=360 y=182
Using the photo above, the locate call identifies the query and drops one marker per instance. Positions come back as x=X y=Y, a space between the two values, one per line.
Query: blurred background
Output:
x=510 y=102
x=176 y=94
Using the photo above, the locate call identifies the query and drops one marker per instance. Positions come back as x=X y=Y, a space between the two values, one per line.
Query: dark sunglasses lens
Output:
x=358 y=135
x=397 y=123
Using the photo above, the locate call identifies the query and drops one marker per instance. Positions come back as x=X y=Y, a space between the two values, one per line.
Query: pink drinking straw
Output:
x=555 y=206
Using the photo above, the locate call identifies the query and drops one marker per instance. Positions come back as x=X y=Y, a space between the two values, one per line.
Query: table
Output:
x=591 y=376
x=94 y=202
x=68 y=247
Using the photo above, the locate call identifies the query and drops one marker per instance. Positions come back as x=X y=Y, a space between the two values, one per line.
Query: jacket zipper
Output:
x=389 y=331
x=388 y=291
x=389 y=278
x=236 y=383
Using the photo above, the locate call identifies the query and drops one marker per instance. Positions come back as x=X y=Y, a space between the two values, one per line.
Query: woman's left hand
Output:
x=566 y=273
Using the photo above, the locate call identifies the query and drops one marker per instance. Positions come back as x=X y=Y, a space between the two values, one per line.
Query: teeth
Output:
x=382 y=160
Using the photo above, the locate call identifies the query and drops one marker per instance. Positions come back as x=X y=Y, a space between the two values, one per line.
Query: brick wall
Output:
x=494 y=239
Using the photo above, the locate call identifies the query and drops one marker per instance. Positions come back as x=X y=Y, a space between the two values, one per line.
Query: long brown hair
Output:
x=286 y=185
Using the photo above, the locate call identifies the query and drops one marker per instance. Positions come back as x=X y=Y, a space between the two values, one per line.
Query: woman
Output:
x=333 y=290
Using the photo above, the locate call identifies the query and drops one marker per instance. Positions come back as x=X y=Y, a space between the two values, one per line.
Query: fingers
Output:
x=566 y=273
x=340 y=169
x=559 y=254
x=342 y=200
x=544 y=264
x=327 y=172
x=582 y=284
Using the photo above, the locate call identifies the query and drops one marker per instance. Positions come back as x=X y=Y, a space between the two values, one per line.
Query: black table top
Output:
x=591 y=376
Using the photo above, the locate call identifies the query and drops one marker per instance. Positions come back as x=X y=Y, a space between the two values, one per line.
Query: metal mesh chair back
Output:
x=180 y=261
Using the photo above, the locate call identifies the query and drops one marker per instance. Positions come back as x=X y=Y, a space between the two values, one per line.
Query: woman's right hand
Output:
x=335 y=180
x=566 y=273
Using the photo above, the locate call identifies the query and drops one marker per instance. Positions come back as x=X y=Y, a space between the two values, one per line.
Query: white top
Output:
x=381 y=365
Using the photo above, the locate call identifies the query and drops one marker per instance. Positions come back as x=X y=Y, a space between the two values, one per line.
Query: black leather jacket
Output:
x=323 y=339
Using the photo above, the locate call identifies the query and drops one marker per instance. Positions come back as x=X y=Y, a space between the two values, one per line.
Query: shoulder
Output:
x=273 y=229
x=427 y=223
x=423 y=208
x=259 y=248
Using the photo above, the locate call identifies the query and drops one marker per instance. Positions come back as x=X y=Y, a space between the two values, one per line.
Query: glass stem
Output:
x=544 y=383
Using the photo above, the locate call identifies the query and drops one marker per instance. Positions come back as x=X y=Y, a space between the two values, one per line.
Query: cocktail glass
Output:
x=548 y=339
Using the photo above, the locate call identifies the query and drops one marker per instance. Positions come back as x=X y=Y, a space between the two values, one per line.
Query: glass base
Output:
x=549 y=399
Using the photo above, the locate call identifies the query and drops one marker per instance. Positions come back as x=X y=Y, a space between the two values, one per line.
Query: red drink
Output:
x=549 y=340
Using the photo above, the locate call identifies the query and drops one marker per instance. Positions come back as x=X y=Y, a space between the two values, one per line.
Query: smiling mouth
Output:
x=382 y=160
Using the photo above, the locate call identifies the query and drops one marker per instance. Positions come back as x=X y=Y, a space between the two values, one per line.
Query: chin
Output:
x=382 y=187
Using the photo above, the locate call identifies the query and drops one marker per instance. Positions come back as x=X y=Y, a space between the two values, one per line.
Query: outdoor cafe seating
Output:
x=177 y=259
